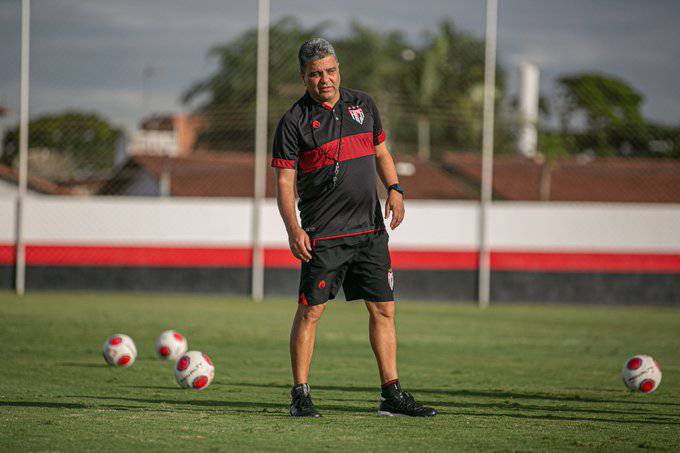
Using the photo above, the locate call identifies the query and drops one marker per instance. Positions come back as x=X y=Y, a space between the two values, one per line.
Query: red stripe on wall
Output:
x=6 y=255
x=518 y=261
x=137 y=256
x=434 y=260
x=585 y=262
x=353 y=147
x=280 y=259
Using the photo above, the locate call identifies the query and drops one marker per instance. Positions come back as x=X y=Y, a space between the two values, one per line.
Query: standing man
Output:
x=329 y=145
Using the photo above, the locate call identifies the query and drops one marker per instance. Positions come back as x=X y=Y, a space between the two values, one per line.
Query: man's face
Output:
x=322 y=78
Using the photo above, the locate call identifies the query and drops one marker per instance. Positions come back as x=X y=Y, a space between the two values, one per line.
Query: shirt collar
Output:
x=313 y=102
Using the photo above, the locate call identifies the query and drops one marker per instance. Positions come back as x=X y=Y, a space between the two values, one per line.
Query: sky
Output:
x=91 y=55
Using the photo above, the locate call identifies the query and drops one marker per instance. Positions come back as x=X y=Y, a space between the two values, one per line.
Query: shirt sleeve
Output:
x=286 y=144
x=378 y=132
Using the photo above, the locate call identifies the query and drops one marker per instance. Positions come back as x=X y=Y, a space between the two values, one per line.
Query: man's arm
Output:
x=388 y=175
x=298 y=240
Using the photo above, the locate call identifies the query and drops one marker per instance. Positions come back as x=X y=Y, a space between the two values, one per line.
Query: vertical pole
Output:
x=20 y=274
x=257 y=289
x=487 y=152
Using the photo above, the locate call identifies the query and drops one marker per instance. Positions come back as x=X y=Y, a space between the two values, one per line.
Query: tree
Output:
x=227 y=97
x=438 y=81
x=86 y=138
x=441 y=91
x=609 y=109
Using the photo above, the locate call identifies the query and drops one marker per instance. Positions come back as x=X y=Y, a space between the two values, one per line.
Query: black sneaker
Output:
x=301 y=404
x=395 y=403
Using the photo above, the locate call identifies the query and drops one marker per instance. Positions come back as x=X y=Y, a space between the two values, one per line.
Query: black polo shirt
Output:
x=333 y=151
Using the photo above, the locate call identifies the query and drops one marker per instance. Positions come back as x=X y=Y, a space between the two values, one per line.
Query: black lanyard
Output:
x=336 y=170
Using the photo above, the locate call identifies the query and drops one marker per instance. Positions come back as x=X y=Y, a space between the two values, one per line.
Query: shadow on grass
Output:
x=117 y=407
x=53 y=405
x=531 y=407
x=570 y=419
x=83 y=364
x=500 y=394
x=44 y=404
x=253 y=405
x=156 y=387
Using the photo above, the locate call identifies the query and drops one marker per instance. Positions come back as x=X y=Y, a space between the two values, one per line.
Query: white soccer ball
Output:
x=170 y=345
x=120 y=350
x=194 y=370
x=641 y=373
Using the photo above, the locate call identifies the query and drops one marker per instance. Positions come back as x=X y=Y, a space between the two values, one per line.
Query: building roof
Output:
x=201 y=174
x=613 y=179
x=230 y=174
x=430 y=181
x=35 y=184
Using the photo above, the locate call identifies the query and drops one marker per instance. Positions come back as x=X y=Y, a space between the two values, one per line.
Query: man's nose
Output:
x=324 y=78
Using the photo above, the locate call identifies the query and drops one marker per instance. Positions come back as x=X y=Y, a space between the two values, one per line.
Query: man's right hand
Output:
x=300 y=245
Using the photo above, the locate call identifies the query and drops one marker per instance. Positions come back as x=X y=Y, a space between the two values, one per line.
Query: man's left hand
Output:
x=395 y=204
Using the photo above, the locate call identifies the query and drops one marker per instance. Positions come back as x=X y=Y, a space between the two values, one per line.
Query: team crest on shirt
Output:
x=390 y=278
x=357 y=114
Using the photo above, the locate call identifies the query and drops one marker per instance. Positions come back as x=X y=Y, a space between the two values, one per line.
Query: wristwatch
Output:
x=396 y=187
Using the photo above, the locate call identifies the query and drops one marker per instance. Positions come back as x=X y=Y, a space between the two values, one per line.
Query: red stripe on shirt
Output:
x=380 y=138
x=353 y=147
x=283 y=163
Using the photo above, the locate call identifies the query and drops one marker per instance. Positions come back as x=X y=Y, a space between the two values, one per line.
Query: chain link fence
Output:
x=159 y=100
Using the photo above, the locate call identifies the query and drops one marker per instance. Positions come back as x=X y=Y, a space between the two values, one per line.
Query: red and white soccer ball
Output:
x=170 y=345
x=641 y=373
x=194 y=370
x=120 y=350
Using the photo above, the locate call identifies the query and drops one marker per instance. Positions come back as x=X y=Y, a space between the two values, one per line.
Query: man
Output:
x=331 y=143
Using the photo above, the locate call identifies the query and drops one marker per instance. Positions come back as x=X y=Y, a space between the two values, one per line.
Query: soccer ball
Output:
x=641 y=373
x=194 y=370
x=170 y=345
x=120 y=350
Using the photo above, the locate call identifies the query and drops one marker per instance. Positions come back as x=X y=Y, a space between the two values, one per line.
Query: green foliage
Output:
x=442 y=79
x=553 y=145
x=445 y=84
x=510 y=378
x=86 y=138
x=227 y=97
x=610 y=109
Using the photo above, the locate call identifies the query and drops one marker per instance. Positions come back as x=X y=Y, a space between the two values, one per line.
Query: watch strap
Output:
x=396 y=187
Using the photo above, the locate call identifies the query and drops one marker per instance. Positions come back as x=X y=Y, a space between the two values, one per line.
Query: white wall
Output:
x=134 y=221
x=7 y=220
x=434 y=225
x=585 y=226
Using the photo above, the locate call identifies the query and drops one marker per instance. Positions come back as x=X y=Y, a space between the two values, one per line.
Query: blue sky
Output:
x=92 y=54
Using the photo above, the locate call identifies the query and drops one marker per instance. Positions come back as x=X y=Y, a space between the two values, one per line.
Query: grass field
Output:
x=508 y=378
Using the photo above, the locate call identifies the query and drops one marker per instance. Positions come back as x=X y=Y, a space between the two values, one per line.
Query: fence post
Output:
x=260 y=147
x=20 y=270
x=487 y=152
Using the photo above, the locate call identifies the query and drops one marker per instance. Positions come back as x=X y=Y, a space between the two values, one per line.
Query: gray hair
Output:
x=314 y=49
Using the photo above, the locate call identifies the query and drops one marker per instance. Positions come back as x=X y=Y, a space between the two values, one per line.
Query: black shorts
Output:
x=360 y=264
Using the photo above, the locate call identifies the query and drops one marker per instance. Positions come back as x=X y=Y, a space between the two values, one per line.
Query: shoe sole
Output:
x=390 y=414
x=393 y=414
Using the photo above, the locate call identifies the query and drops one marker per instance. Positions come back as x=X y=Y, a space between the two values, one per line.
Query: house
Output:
x=200 y=174
x=166 y=135
x=586 y=179
x=9 y=180
x=231 y=174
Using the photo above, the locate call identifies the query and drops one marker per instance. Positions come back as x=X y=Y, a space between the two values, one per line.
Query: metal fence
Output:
x=160 y=98
x=121 y=90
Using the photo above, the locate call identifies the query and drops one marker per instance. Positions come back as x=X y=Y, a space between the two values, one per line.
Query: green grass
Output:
x=508 y=378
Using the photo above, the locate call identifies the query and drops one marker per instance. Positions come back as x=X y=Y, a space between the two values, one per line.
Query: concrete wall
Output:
x=540 y=252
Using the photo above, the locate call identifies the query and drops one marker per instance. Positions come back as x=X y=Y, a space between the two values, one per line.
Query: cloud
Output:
x=102 y=46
